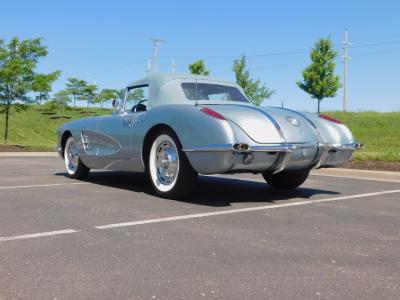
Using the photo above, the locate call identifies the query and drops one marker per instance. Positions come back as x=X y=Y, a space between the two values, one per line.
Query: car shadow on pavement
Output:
x=209 y=191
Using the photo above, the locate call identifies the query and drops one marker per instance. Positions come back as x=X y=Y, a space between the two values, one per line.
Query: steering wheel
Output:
x=139 y=106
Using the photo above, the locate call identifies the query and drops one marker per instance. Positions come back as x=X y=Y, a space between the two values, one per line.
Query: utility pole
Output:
x=157 y=43
x=346 y=58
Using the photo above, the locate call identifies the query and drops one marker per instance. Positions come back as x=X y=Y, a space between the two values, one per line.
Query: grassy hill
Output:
x=380 y=132
x=35 y=129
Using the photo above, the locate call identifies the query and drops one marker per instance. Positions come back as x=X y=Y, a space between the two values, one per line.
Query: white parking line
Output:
x=199 y=215
x=239 y=210
x=36 y=235
x=39 y=185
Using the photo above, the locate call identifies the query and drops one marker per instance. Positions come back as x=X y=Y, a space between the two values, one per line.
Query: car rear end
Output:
x=270 y=140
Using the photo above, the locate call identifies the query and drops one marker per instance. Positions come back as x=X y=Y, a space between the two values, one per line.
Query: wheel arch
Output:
x=149 y=137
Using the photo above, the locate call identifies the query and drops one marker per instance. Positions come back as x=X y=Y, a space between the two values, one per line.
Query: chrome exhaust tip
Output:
x=240 y=147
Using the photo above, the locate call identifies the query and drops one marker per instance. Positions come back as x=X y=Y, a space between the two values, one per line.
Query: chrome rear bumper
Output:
x=284 y=147
x=287 y=155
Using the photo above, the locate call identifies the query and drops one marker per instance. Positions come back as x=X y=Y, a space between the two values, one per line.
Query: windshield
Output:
x=214 y=92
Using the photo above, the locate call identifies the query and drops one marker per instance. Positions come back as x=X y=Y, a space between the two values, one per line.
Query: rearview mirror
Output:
x=115 y=104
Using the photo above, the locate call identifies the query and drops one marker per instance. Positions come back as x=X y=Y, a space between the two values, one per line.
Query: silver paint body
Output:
x=278 y=139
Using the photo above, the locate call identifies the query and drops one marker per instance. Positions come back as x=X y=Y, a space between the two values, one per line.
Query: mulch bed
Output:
x=17 y=148
x=11 y=148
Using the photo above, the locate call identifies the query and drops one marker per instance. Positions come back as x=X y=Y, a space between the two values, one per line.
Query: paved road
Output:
x=234 y=238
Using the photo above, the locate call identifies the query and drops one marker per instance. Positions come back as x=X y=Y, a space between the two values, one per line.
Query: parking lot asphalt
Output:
x=235 y=238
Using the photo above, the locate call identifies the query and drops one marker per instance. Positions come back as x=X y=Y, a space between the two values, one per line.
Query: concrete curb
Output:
x=389 y=176
x=28 y=154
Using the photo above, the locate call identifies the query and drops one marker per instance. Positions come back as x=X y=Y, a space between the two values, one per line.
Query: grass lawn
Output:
x=380 y=132
x=36 y=130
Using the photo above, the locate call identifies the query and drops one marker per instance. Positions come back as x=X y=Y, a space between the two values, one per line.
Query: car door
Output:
x=115 y=131
x=114 y=136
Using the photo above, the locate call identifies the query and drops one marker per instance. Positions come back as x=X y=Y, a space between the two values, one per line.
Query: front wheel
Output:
x=75 y=167
x=169 y=170
x=288 y=179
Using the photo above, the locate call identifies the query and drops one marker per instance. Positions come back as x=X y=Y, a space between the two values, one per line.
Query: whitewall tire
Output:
x=170 y=172
x=74 y=166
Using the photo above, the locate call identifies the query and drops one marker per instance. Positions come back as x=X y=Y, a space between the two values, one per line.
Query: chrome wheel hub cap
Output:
x=72 y=156
x=166 y=163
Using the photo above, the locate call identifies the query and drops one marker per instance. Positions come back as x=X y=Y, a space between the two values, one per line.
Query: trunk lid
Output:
x=269 y=125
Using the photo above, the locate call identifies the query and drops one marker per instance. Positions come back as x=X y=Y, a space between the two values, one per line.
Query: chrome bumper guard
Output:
x=325 y=149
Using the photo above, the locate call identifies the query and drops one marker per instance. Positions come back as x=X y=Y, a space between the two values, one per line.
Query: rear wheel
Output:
x=75 y=167
x=169 y=170
x=288 y=179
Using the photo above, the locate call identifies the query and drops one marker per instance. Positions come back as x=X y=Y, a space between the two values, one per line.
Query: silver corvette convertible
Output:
x=173 y=127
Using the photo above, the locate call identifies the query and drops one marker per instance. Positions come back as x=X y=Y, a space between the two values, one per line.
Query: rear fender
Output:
x=193 y=128
x=330 y=132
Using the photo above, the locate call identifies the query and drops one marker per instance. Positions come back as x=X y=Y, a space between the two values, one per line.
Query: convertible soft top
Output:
x=159 y=79
x=165 y=88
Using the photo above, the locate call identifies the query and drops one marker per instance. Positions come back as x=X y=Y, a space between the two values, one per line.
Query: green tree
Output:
x=89 y=92
x=105 y=95
x=76 y=88
x=61 y=100
x=254 y=89
x=319 y=79
x=199 y=68
x=50 y=107
x=42 y=85
x=18 y=60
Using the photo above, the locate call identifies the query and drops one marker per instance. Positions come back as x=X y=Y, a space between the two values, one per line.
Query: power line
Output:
x=217 y=57
x=282 y=53
x=375 y=44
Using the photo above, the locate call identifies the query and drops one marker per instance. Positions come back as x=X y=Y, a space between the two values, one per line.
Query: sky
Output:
x=108 y=42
